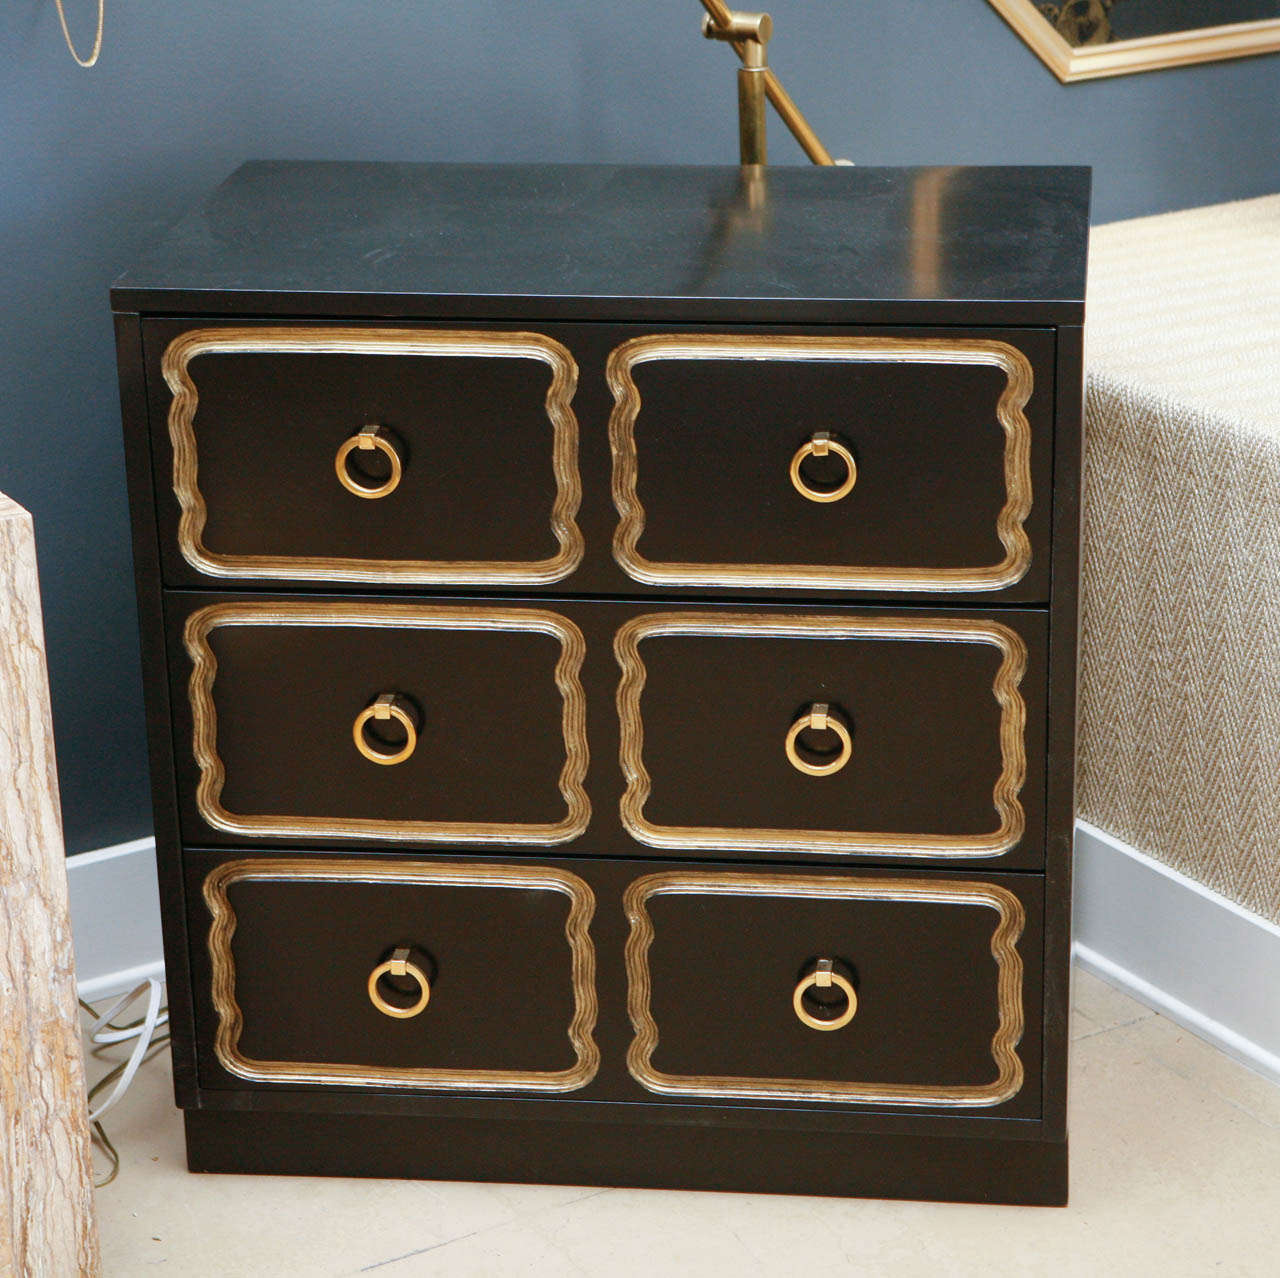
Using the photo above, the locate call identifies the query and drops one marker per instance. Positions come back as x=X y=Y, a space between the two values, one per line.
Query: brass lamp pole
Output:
x=749 y=34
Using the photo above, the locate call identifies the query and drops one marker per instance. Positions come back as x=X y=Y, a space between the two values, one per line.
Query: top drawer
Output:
x=842 y=462
x=901 y=462
x=412 y=456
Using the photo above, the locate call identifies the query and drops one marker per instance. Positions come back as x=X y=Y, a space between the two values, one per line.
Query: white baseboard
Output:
x=115 y=918
x=1180 y=948
x=1169 y=941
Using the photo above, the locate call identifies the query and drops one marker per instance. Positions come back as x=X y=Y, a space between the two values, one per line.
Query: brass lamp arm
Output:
x=722 y=23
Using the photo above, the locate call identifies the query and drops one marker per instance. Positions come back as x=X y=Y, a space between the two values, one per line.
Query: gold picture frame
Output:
x=1070 y=62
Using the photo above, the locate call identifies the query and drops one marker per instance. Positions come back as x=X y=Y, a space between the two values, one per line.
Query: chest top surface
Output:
x=542 y=241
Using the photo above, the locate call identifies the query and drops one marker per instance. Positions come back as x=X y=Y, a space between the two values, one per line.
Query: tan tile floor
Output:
x=1175 y=1171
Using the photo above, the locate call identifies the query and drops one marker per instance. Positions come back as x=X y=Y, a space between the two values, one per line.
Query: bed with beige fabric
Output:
x=1180 y=660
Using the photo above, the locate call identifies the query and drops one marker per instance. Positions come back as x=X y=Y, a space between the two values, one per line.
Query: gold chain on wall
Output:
x=97 y=39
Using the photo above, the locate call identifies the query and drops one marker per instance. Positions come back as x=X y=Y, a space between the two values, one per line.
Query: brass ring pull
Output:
x=820 y=716
x=820 y=446
x=823 y=977
x=371 y=438
x=385 y=708
x=399 y=965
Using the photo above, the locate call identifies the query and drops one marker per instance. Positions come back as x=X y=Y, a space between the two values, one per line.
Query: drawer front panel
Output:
x=289 y=742
x=923 y=1003
x=259 y=431
x=703 y=723
x=934 y=745
x=496 y=989
x=621 y=981
x=844 y=462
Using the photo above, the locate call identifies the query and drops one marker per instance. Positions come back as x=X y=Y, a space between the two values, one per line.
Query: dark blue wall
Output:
x=94 y=163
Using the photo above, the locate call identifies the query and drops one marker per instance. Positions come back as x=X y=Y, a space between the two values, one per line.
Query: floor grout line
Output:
x=422 y=1251
x=1161 y=1059
x=475 y=1233
x=1106 y=1029
x=1244 y=1109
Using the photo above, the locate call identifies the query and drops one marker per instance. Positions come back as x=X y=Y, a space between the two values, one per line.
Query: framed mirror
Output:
x=1084 y=39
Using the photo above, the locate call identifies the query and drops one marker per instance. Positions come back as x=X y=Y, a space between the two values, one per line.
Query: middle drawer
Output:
x=770 y=733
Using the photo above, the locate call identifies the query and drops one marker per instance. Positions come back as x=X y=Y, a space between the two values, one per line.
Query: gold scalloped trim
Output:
x=315 y=870
x=1012 y=919
x=204 y=668
x=1013 y=718
x=1009 y=413
x=375 y=341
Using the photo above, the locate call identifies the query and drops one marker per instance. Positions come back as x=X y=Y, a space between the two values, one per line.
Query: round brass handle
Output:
x=824 y=976
x=385 y=708
x=820 y=716
x=399 y=965
x=820 y=446
x=370 y=439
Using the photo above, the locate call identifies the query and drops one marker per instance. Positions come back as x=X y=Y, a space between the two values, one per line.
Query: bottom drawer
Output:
x=619 y=981
x=827 y=988
x=376 y=972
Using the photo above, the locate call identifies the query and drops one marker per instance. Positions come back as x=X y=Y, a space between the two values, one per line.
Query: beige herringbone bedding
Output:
x=1180 y=652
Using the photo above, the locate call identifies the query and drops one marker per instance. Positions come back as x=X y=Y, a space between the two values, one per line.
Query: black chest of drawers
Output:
x=609 y=639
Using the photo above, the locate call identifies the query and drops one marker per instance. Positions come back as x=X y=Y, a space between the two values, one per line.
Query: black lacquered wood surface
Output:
x=473 y=434
x=724 y=969
x=490 y=742
x=722 y=995
x=498 y=965
x=714 y=441
x=594 y=256
x=926 y=725
x=969 y=245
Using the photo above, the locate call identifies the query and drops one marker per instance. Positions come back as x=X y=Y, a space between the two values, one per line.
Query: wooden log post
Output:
x=47 y=1225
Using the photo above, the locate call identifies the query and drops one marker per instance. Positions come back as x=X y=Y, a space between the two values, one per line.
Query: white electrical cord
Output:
x=102 y=1032
x=97 y=39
